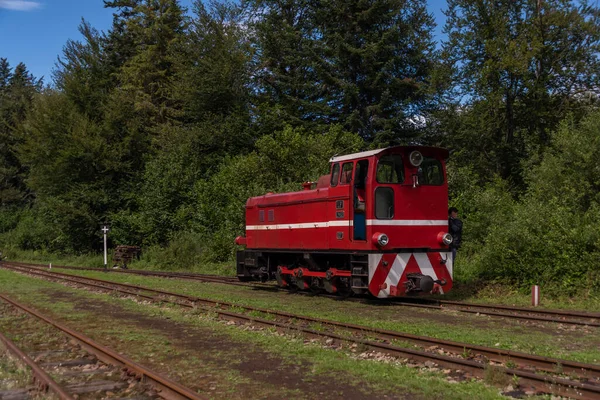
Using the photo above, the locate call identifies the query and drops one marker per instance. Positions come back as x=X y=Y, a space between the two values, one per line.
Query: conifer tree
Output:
x=84 y=73
x=158 y=28
x=362 y=64
x=288 y=82
x=379 y=56
x=17 y=90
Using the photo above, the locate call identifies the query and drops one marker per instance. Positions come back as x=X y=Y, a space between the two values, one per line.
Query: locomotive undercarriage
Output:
x=339 y=273
x=336 y=273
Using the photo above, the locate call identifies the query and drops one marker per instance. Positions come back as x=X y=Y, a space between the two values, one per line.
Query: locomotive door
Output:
x=358 y=199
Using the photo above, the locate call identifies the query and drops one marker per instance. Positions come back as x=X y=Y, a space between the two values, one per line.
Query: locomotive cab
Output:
x=376 y=224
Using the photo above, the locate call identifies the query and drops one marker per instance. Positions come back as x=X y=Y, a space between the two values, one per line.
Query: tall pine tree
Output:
x=17 y=90
x=364 y=65
x=379 y=56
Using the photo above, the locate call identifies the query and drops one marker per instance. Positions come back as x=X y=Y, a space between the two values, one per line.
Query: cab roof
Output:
x=363 y=154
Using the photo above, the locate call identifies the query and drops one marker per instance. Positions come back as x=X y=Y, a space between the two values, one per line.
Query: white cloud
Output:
x=20 y=5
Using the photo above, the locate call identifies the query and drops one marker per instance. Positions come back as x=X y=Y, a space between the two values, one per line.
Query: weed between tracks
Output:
x=545 y=339
x=228 y=361
x=12 y=374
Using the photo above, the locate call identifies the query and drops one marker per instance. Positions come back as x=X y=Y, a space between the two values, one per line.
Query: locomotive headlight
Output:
x=380 y=239
x=383 y=240
x=445 y=238
x=415 y=158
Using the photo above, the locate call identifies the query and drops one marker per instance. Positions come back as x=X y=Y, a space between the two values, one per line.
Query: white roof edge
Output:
x=357 y=155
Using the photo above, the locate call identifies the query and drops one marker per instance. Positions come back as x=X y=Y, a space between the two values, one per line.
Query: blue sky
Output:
x=35 y=31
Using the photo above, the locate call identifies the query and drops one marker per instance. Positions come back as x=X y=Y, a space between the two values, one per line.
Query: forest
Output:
x=166 y=123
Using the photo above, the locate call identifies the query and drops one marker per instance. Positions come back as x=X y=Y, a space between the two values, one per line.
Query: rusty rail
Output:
x=549 y=384
x=554 y=316
x=44 y=380
x=167 y=388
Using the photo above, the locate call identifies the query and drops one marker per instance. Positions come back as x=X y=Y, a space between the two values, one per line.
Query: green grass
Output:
x=482 y=292
x=497 y=293
x=97 y=261
x=12 y=374
x=581 y=345
x=152 y=346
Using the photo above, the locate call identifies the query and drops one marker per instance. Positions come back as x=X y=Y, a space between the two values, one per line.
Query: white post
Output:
x=105 y=230
x=535 y=295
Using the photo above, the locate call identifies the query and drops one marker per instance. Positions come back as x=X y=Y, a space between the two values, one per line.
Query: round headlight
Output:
x=447 y=239
x=415 y=158
x=383 y=239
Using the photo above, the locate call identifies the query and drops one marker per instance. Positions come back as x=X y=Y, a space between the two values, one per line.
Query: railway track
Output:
x=538 y=374
x=83 y=369
x=502 y=311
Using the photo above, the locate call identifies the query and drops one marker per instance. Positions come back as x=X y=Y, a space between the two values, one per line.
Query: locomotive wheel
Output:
x=281 y=280
x=316 y=286
x=329 y=286
x=343 y=287
x=303 y=283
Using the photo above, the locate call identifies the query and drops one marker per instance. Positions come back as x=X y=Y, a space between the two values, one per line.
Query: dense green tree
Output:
x=17 y=90
x=362 y=64
x=84 y=73
x=517 y=68
x=158 y=28
x=288 y=81
x=379 y=56
x=5 y=74
x=215 y=79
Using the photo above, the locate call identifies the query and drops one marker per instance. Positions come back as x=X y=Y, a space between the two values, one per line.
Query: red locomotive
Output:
x=376 y=224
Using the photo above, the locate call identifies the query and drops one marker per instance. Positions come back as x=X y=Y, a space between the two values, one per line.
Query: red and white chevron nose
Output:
x=389 y=272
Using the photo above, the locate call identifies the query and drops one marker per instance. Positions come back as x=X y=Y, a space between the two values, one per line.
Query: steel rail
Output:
x=498 y=355
x=554 y=316
x=522 y=309
x=544 y=363
x=166 y=387
x=45 y=381
x=164 y=274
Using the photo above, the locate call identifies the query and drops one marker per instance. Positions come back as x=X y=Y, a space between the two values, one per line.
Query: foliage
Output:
x=517 y=69
x=168 y=122
x=363 y=65
x=549 y=237
x=17 y=90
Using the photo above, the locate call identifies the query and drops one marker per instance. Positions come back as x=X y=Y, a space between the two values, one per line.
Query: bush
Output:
x=281 y=162
x=550 y=236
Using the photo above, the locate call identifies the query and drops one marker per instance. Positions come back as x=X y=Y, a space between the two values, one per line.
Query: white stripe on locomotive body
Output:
x=370 y=222
x=407 y=222
x=374 y=260
x=395 y=273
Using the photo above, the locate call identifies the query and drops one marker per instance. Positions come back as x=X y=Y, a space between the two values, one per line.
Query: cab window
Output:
x=384 y=203
x=431 y=172
x=361 y=174
x=390 y=169
x=346 y=176
x=335 y=174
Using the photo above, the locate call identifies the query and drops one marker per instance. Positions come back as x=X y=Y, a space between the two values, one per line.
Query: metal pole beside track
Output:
x=105 y=230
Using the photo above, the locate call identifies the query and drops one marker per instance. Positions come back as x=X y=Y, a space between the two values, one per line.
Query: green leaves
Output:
x=550 y=235
x=520 y=67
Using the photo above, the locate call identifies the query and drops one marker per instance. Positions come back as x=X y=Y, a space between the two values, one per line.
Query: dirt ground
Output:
x=264 y=374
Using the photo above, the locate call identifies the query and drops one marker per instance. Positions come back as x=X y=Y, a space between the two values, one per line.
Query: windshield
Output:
x=430 y=172
x=390 y=169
